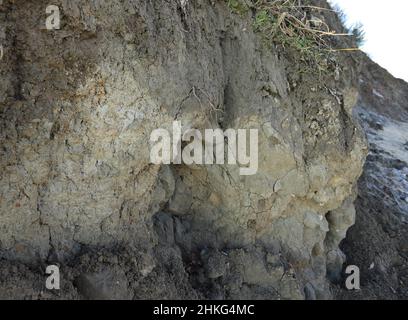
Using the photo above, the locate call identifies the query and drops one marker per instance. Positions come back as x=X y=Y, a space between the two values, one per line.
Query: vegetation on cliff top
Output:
x=294 y=24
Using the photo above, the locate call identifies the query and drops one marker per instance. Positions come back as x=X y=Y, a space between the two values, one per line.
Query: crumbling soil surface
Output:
x=378 y=242
x=78 y=190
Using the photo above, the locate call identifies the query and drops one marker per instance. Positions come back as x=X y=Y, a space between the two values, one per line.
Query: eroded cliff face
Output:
x=378 y=241
x=77 y=187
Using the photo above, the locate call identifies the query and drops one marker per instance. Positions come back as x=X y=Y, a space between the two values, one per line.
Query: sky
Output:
x=385 y=25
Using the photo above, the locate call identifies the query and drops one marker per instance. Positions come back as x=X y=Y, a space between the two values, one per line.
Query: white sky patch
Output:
x=385 y=25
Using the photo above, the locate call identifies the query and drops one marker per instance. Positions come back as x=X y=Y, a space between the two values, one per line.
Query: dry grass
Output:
x=292 y=24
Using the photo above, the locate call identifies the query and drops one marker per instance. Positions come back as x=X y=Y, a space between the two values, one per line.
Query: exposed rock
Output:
x=310 y=292
x=377 y=244
x=164 y=227
x=76 y=111
x=215 y=264
x=103 y=286
x=180 y=202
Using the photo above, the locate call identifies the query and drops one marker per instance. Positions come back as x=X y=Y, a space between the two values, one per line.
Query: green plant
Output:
x=292 y=24
x=238 y=6
x=262 y=20
x=356 y=30
x=358 y=33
